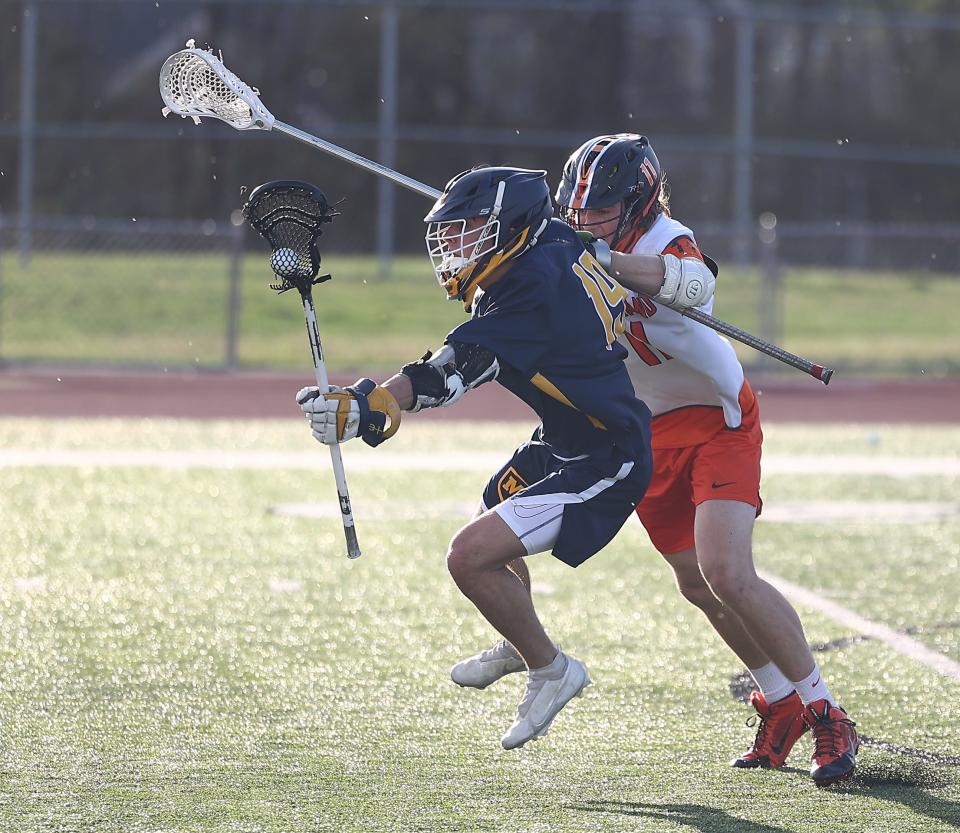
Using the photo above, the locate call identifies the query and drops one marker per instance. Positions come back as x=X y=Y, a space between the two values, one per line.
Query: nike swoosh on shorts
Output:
x=522 y=510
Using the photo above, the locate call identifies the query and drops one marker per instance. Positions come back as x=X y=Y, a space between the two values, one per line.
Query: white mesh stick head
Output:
x=194 y=83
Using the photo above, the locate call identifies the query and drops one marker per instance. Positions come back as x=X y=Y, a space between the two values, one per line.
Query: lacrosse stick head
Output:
x=195 y=84
x=290 y=216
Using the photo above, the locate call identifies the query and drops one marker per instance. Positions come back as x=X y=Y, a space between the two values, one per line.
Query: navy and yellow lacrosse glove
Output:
x=361 y=410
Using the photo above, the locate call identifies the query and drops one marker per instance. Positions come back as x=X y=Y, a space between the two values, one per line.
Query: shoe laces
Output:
x=763 y=726
x=826 y=734
x=501 y=650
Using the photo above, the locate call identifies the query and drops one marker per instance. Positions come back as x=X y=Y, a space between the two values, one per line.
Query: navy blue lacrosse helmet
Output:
x=483 y=218
x=611 y=169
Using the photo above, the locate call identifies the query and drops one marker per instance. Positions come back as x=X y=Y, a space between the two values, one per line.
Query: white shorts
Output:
x=534 y=522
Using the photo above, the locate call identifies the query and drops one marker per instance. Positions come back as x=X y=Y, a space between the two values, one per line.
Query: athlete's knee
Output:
x=690 y=581
x=462 y=554
x=731 y=586
x=472 y=551
x=700 y=595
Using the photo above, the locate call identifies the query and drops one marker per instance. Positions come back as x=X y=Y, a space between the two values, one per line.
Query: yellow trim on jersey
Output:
x=543 y=383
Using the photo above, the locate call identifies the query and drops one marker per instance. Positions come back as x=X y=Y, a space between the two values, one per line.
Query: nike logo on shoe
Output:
x=778 y=747
x=721 y=485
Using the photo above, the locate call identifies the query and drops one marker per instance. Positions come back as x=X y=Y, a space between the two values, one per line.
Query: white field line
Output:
x=819 y=513
x=365 y=460
x=214 y=459
x=899 y=642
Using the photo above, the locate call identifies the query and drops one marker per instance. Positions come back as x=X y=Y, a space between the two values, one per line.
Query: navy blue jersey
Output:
x=552 y=321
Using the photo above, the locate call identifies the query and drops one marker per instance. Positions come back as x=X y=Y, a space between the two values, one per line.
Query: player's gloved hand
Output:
x=598 y=247
x=361 y=410
x=687 y=282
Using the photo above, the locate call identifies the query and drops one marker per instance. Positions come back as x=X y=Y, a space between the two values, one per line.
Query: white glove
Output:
x=332 y=420
x=687 y=282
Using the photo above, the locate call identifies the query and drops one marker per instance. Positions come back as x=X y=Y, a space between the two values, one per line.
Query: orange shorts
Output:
x=726 y=467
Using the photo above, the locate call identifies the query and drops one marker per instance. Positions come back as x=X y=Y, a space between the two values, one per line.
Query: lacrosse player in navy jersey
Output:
x=545 y=321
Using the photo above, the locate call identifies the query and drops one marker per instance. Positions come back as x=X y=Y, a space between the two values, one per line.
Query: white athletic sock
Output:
x=812 y=687
x=553 y=671
x=772 y=682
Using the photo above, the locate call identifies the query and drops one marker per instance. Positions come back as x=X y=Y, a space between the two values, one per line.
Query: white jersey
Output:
x=676 y=363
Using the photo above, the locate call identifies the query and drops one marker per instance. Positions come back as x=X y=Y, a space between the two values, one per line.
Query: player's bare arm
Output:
x=676 y=282
x=402 y=389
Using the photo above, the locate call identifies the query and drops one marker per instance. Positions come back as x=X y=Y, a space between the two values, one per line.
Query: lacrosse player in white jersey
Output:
x=704 y=496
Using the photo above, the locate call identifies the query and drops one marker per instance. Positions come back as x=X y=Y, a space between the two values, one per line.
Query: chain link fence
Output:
x=135 y=293
x=807 y=146
x=141 y=293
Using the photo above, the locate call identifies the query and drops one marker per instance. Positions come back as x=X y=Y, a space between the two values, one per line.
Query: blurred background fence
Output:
x=808 y=145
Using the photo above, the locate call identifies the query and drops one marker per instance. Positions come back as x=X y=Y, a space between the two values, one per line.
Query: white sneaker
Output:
x=543 y=701
x=488 y=666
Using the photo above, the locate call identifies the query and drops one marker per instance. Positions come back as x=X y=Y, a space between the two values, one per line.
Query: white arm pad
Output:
x=687 y=282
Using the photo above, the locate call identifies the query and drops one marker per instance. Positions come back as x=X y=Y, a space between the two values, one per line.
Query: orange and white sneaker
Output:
x=781 y=726
x=835 y=742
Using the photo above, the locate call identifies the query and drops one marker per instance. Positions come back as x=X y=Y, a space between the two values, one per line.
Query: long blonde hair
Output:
x=663 y=199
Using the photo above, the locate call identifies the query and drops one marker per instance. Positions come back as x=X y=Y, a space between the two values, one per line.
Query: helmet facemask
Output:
x=453 y=248
x=574 y=217
x=458 y=253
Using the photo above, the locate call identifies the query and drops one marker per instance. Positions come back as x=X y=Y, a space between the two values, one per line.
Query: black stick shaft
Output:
x=817 y=371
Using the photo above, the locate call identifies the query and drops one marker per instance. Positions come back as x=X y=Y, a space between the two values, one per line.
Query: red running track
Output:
x=207 y=395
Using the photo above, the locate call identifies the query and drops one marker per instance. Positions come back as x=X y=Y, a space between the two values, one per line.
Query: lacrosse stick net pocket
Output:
x=290 y=216
x=194 y=83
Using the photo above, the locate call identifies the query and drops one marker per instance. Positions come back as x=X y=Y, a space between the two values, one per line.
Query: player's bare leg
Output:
x=491 y=664
x=693 y=587
x=778 y=707
x=724 y=531
x=478 y=558
x=519 y=567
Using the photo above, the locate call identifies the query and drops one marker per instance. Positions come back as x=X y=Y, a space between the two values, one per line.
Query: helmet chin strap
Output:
x=622 y=226
x=571 y=216
x=495 y=211
x=492 y=218
x=536 y=235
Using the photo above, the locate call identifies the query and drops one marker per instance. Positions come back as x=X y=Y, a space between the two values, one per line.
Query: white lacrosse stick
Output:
x=195 y=84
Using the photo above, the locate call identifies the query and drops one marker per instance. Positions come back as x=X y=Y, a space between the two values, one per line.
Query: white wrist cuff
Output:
x=601 y=251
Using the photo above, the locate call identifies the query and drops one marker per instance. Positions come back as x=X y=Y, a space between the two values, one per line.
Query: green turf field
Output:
x=180 y=653
x=172 y=310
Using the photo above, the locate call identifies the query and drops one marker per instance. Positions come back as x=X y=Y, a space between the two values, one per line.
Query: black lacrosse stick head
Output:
x=290 y=216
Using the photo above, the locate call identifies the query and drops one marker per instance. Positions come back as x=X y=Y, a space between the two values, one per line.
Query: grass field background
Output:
x=179 y=655
x=172 y=310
